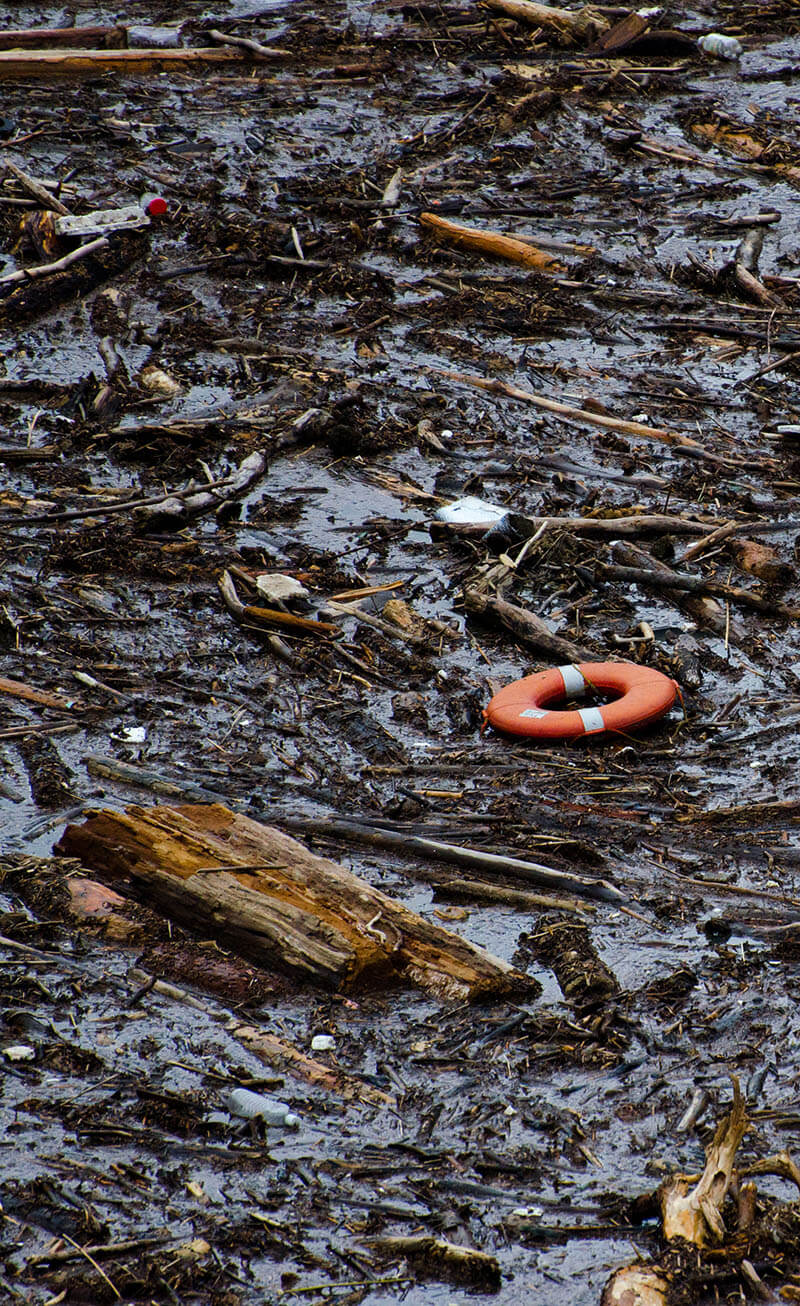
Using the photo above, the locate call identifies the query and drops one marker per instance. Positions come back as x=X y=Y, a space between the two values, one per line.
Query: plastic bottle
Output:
x=255 y=1106
x=719 y=46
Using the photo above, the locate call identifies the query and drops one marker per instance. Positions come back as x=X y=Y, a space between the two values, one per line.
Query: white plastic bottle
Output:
x=255 y=1106
x=719 y=46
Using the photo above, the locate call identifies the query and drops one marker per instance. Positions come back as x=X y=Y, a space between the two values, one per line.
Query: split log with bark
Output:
x=272 y=900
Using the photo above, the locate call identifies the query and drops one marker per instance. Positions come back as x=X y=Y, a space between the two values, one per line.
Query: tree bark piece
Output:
x=277 y=903
x=566 y=947
x=493 y=243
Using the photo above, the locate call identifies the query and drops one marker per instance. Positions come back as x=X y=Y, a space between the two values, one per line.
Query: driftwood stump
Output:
x=273 y=901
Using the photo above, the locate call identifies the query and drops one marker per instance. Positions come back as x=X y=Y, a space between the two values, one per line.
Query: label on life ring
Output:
x=592 y=719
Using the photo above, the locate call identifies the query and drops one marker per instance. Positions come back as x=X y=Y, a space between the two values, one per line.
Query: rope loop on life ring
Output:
x=522 y=708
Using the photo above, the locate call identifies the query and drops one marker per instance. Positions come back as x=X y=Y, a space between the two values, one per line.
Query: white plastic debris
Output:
x=277 y=588
x=255 y=1106
x=132 y=734
x=472 y=511
x=720 y=46
x=323 y=1043
x=19 y=1052
x=101 y=221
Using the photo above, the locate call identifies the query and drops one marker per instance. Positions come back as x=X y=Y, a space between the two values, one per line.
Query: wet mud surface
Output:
x=303 y=312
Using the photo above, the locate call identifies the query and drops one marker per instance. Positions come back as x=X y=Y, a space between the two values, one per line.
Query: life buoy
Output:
x=521 y=708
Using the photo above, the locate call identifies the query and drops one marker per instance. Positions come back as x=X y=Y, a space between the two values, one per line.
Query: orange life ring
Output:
x=521 y=708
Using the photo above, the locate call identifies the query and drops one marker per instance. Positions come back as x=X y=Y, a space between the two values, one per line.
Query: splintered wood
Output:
x=691 y=1213
x=277 y=903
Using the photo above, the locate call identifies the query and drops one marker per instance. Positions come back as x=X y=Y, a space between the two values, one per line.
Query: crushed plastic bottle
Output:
x=102 y=221
x=720 y=46
x=255 y=1106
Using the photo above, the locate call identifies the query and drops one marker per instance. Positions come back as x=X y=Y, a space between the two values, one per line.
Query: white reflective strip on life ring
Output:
x=574 y=682
x=535 y=712
x=592 y=719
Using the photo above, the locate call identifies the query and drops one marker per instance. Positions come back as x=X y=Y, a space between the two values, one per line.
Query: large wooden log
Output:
x=272 y=900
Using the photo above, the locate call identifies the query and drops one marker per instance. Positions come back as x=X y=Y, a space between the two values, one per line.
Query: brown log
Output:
x=275 y=902
x=42 y=37
x=493 y=243
x=18 y=689
x=93 y=63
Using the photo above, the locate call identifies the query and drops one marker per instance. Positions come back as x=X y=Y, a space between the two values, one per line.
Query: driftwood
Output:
x=34 y=188
x=573 y=414
x=493 y=243
x=254 y=48
x=284 y=1056
x=18 y=689
x=93 y=63
x=704 y=609
x=567 y=24
x=59 y=265
x=522 y=899
x=696 y=585
x=254 y=615
x=745 y=270
x=441 y=1259
x=278 y=904
x=456 y=855
x=203 y=499
x=526 y=626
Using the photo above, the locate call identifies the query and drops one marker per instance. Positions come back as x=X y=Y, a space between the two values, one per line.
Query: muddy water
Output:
x=486 y=1123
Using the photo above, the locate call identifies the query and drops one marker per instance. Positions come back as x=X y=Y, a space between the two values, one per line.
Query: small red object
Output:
x=154 y=205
